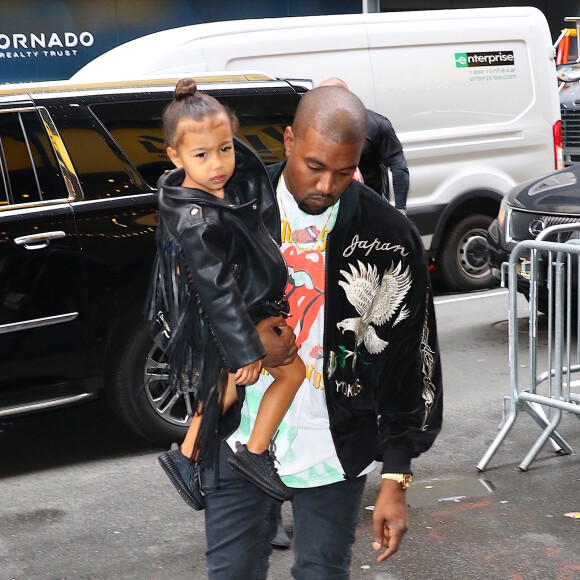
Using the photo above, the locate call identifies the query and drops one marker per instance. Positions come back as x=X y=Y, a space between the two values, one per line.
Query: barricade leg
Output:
x=546 y=434
x=508 y=424
x=537 y=413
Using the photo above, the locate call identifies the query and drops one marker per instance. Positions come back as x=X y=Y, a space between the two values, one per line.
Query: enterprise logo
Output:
x=471 y=59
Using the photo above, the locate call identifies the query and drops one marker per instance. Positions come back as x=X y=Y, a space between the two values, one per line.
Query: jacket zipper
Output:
x=277 y=244
x=325 y=377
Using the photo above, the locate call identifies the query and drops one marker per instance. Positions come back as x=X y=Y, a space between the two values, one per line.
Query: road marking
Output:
x=472 y=296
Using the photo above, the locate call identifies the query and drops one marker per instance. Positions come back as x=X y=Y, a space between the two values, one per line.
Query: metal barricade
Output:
x=549 y=389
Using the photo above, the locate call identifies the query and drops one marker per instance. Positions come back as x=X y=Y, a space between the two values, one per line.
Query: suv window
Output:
x=138 y=128
x=29 y=168
x=101 y=167
x=263 y=119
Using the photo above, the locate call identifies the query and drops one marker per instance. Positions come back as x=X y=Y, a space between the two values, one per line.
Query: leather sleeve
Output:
x=204 y=245
x=391 y=156
x=400 y=173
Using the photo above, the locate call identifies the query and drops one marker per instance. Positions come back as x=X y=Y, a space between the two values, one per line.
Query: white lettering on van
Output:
x=479 y=59
x=491 y=58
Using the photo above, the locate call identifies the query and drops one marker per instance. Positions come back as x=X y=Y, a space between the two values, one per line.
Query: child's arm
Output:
x=249 y=374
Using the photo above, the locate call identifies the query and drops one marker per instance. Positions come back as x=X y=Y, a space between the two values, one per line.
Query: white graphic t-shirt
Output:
x=304 y=444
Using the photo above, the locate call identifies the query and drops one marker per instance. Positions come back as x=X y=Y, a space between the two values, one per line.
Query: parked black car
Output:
x=526 y=211
x=78 y=214
x=569 y=76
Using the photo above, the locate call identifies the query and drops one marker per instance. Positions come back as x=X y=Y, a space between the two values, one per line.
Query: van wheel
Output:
x=463 y=261
x=138 y=391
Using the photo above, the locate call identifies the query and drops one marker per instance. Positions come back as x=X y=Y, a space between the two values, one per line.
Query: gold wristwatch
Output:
x=404 y=479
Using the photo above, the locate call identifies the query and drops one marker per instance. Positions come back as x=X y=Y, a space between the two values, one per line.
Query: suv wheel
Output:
x=138 y=390
x=463 y=262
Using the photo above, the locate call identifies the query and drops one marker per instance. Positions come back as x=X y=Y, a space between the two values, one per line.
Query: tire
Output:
x=463 y=260
x=138 y=393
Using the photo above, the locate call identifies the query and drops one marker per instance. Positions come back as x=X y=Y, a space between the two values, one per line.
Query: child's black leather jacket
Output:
x=217 y=272
x=233 y=263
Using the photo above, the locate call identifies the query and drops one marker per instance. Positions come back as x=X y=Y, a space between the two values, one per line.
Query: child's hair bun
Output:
x=184 y=88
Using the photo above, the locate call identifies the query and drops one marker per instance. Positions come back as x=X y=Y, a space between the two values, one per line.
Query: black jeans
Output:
x=240 y=522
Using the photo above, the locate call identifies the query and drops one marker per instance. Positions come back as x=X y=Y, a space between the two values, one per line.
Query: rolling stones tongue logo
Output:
x=305 y=289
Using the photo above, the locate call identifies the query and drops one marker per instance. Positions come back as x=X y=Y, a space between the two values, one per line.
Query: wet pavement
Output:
x=501 y=523
x=81 y=498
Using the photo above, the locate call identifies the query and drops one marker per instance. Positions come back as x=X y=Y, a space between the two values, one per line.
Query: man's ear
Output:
x=288 y=140
x=174 y=156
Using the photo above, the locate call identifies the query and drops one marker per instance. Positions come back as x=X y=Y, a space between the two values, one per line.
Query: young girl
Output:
x=217 y=273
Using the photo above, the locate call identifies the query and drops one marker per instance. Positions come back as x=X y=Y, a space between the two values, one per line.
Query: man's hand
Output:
x=278 y=340
x=390 y=519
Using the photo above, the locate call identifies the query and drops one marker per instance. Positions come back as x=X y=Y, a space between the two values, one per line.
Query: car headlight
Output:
x=503 y=216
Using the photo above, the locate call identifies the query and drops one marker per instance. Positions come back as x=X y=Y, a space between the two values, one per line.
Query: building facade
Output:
x=52 y=39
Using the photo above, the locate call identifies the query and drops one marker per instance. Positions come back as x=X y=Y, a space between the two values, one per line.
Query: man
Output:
x=382 y=151
x=363 y=316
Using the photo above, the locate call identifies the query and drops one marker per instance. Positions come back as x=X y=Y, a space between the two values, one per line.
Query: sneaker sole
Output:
x=281 y=496
x=179 y=483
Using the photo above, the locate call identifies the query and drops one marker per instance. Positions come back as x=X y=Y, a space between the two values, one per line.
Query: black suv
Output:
x=79 y=165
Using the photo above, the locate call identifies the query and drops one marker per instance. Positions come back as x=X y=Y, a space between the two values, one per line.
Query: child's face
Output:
x=206 y=153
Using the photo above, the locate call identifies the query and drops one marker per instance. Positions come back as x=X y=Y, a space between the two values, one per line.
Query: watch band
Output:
x=404 y=479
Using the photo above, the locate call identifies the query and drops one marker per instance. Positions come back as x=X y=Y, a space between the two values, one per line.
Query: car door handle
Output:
x=38 y=241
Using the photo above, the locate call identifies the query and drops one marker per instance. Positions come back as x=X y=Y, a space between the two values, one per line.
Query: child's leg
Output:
x=181 y=465
x=191 y=435
x=229 y=398
x=275 y=403
x=231 y=394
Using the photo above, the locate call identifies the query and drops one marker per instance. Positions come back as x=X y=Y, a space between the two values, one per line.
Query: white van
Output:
x=472 y=95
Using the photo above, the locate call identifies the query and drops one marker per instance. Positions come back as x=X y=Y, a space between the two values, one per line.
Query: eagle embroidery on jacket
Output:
x=376 y=300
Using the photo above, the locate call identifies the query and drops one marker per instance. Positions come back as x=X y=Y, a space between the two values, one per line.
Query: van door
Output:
x=473 y=116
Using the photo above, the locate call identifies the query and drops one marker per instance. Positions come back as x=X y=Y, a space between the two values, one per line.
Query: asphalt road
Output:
x=81 y=498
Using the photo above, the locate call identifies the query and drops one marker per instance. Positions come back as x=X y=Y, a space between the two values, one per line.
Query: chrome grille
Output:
x=570 y=127
x=520 y=222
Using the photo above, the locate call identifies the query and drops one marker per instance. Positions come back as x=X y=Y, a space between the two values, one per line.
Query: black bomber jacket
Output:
x=382 y=368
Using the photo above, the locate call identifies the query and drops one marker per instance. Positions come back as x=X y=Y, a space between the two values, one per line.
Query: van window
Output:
x=29 y=168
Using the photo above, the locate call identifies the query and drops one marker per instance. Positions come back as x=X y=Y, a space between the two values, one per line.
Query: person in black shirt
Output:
x=382 y=151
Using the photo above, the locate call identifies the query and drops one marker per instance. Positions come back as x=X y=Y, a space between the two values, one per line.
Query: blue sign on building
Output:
x=52 y=39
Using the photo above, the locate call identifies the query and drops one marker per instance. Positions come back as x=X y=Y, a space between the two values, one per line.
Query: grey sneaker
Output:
x=259 y=469
x=184 y=474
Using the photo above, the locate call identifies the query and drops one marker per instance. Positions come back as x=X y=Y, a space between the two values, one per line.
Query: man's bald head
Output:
x=333 y=112
x=333 y=82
